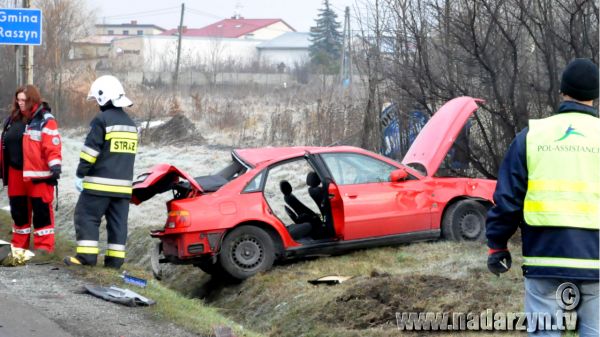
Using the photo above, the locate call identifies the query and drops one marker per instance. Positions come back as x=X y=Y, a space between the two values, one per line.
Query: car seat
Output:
x=298 y=212
x=315 y=190
x=321 y=198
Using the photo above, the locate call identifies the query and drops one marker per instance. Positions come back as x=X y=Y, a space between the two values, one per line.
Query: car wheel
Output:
x=155 y=257
x=246 y=250
x=464 y=221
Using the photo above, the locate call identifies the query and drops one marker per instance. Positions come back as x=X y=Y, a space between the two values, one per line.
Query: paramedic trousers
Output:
x=88 y=214
x=24 y=198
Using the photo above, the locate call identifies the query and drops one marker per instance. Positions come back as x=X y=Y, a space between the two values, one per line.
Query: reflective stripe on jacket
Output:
x=108 y=154
x=563 y=159
x=41 y=145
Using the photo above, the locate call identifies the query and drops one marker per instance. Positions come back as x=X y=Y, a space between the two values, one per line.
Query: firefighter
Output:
x=30 y=164
x=104 y=176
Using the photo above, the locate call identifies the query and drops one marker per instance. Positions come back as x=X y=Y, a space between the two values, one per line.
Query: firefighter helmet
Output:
x=108 y=88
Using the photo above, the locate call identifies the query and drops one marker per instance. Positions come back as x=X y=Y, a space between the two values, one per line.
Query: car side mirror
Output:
x=398 y=175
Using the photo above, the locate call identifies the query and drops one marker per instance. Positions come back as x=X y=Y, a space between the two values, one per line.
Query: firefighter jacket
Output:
x=548 y=186
x=41 y=146
x=108 y=154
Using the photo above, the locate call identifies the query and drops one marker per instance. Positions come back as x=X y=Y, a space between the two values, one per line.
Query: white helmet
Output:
x=108 y=88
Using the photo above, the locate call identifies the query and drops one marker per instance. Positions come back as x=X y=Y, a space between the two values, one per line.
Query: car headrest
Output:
x=285 y=187
x=313 y=180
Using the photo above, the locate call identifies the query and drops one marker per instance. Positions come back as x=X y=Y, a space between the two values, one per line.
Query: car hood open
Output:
x=159 y=179
x=437 y=136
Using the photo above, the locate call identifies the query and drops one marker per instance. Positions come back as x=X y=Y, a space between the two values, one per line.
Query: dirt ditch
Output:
x=374 y=301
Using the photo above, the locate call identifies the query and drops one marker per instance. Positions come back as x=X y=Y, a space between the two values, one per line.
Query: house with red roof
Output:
x=238 y=28
x=237 y=42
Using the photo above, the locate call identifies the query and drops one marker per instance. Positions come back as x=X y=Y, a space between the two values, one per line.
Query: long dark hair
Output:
x=33 y=98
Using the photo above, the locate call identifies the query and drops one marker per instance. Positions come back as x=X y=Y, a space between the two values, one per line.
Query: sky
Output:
x=300 y=14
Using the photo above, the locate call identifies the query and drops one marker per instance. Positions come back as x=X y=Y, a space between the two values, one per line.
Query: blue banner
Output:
x=20 y=26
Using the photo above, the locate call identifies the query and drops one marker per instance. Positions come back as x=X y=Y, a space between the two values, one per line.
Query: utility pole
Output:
x=346 y=68
x=176 y=77
x=28 y=56
x=346 y=62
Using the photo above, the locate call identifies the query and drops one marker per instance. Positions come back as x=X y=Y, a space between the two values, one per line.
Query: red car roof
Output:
x=229 y=28
x=258 y=155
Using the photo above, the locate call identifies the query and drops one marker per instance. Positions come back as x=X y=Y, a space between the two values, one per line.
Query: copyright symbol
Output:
x=568 y=296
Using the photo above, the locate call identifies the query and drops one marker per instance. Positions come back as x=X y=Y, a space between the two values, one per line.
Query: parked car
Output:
x=278 y=203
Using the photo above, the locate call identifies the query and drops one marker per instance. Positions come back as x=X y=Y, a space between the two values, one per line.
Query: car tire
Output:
x=246 y=251
x=464 y=221
x=155 y=257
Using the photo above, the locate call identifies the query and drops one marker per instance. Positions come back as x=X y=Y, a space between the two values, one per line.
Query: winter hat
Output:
x=580 y=80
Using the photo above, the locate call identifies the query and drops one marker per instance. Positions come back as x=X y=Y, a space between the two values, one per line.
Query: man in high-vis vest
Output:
x=104 y=176
x=549 y=186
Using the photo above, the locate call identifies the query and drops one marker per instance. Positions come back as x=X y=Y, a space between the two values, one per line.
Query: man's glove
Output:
x=499 y=261
x=79 y=184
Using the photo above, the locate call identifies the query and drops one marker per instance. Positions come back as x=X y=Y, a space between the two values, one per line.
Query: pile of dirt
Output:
x=374 y=301
x=177 y=130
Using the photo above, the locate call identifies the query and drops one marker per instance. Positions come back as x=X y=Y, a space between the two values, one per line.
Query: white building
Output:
x=291 y=49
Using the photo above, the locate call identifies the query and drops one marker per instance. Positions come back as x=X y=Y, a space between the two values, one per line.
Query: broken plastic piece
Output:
x=330 y=280
x=119 y=295
x=140 y=282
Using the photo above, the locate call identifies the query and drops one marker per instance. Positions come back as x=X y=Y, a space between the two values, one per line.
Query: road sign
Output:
x=20 y=26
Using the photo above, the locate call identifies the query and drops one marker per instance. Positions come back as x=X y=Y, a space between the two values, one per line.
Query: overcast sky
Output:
x=300 y=14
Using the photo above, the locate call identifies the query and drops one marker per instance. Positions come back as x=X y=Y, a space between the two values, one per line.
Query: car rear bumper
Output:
x=188 y=247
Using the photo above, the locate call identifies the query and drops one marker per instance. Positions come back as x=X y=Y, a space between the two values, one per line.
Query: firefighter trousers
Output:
x=88 y=215
x=26 y=198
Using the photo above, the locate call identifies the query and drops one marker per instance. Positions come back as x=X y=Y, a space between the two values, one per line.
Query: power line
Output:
x=203 y=13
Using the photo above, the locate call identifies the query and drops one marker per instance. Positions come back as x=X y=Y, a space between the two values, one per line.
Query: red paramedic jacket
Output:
x=41 y=145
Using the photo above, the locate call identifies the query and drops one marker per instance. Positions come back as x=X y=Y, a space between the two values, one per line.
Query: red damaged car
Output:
x=274 y=203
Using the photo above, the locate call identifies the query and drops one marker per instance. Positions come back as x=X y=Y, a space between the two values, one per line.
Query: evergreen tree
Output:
x=326 y=39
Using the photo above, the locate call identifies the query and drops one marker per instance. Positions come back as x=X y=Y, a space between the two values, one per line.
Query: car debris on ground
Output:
x=119 y=295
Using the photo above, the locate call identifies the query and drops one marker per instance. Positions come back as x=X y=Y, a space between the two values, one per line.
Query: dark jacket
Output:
x=108 y=154
x=507 y=215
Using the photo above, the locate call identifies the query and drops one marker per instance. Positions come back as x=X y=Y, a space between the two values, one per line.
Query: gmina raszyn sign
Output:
x=20 y=26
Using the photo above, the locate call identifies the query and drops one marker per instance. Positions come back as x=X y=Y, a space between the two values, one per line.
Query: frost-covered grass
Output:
x=194 y=159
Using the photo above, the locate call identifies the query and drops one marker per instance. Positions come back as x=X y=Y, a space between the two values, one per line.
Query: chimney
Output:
x=134 y=22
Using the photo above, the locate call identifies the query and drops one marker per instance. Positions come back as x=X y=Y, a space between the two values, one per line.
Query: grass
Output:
x=193 y=314
x=430 y=276
x=438 y=276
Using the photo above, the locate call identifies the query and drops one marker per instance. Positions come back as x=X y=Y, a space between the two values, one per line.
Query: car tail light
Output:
x=178 y=219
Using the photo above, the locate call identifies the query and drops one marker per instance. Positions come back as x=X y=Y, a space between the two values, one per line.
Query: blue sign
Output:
x=21 y=26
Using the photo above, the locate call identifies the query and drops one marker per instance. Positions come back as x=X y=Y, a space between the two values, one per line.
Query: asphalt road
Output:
x=19 y=319
x=47 y=301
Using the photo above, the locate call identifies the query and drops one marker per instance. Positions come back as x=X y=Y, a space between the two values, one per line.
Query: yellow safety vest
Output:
x=563 y=163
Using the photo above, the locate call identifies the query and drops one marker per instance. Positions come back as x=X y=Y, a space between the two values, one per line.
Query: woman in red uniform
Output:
x=30 y=164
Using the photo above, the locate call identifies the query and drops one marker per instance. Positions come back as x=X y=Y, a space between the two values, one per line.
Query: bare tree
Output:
x=214 y=59
x=64 y=21
x=509 y=53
